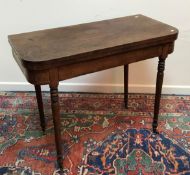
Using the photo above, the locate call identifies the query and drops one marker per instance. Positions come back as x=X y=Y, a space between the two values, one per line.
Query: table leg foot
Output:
x=154 y=128
x=159 y=82
x=126 y=71
x=40 y=106
x=60 y=163
x=57 y=123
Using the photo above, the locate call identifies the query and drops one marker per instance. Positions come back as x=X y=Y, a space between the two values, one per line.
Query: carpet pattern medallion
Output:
x=99 y=136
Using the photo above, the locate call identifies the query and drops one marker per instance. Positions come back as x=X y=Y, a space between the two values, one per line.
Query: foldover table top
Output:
x=82 y=42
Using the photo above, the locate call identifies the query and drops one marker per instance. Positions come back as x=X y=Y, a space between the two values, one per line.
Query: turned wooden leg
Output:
x=57 y=123
x=159 y=81
x=40 y=106
x=126 y=70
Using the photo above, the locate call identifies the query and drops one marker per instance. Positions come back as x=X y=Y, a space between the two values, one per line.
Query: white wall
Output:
x=18 y=16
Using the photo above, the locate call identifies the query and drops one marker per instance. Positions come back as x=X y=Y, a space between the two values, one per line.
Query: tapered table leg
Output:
x=57 y=123
x=126 y=70
x=159 y=82
x=40 y=106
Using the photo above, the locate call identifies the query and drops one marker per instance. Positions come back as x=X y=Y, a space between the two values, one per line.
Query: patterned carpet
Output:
x=100 y=137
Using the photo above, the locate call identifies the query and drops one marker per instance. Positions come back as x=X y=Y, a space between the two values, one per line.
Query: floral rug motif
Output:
x=99 y=136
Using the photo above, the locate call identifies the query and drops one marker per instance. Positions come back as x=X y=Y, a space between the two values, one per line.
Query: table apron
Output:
x=41 y=77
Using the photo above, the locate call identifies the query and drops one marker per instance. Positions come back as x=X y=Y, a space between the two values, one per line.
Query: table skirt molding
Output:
x=98 y=87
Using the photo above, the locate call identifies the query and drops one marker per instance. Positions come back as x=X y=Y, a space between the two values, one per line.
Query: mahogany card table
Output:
x=52 y=55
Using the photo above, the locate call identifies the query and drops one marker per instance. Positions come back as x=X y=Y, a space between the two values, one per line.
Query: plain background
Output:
x=17 y=16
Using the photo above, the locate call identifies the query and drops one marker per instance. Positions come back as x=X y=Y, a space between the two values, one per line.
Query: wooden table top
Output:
x=91 y=40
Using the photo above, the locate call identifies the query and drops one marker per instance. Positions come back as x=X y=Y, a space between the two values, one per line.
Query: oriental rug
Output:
x=99 y=136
